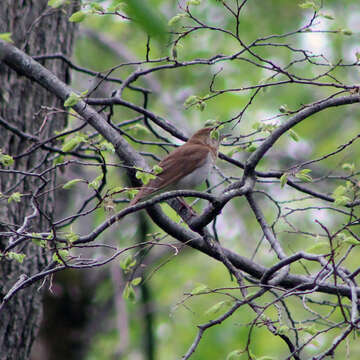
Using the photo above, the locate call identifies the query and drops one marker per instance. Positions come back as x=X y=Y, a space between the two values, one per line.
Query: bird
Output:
x=185 y=167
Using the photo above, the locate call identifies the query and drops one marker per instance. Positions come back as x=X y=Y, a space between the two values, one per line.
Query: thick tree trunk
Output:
x=37 y=29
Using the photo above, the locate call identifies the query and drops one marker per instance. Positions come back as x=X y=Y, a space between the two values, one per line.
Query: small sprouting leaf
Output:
x=192 y=99
x=216 y=308
x=303 y=175
x=157 y=169
x=339 y=191
x=193 y=2
x=347 y=32
x=128 y=263
x=63 y=255
x=319 y=248
x=136 y=281
x=312 y=330
x=309 y=5
x=234 y=354
x=327 y=16
x=107 y=146
x=175 y=19
x=342 y=200
x=16 y=256
x=283 y=179
x=283 y=329
x=6 y=160
x=283 y=109
x=96 y=182
x=349 y=167
x=16 y=196
x=251 y=148
x=145 y=177
x=129 y=293
x=71 y=237
x=201 y=105
x=350 y=240
x=97 y=7
x=6 y=37
x=72 y=182
x=72 y=100
x=78 y=16
x=199 y=289
x=73 y=142
x=214 y=134
x=132 y=193
x=38 y=240
x=56 y=3
x=293 y=135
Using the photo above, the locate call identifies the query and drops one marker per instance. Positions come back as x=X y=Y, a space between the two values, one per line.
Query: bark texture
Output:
x=36 y=29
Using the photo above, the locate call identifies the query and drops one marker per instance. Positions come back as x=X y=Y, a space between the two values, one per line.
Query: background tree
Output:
x=27 y=113
x=279 y=214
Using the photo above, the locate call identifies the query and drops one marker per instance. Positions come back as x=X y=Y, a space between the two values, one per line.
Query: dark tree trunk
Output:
x=36 y=29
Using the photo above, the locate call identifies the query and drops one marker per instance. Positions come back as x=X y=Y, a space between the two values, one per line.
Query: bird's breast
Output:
x=196 y=177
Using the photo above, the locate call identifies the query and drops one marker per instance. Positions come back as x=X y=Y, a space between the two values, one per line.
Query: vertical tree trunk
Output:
x=37 y=29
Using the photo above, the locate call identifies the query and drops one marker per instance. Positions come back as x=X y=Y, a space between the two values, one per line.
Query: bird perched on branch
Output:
x=185 y=167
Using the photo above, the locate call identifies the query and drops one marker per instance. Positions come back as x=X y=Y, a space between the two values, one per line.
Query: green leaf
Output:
x=56 y=3
x=145 y=177
x=339 y=191
x=319 y=248
x=351 y=241
x=342 y=200
x=218 y=307
x=6 y=37
x=251 y=148
x=283 y=179
x=19 y=257
x=199 y=289
x=63 y=254
x=303 y=175
x=357 y=55
x=72 y=100
x=294 y=135
x=132 y=193
x=78 y=16
x=70 y=183
x=136 y=281
x=71 y=237
x=96 y=182
x=107 y=146
x=38 y=240
x=16 y=196
x=73 y=142
x=157 y=169
x=6 y=160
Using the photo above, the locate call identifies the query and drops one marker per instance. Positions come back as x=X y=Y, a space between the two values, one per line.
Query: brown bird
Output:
x=185 y=167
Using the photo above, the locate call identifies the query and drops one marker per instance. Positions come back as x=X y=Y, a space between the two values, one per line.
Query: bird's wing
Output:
x=179 y=163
